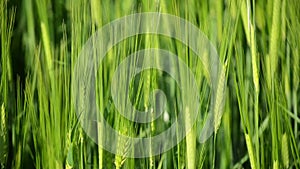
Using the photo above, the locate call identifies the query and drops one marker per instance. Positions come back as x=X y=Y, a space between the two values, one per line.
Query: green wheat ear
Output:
x=274 y=38
x=3 y=120
x=220 y=96
x=123 y=146
x=120 y=159
x=245 y=20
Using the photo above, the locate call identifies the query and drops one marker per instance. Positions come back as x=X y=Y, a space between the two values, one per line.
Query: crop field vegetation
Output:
x=256 y=120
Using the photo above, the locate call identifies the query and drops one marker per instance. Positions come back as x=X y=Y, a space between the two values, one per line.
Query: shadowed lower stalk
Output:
x=7 y=18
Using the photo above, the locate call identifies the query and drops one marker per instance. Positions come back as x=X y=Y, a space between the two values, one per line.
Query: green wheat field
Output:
x=256 y=120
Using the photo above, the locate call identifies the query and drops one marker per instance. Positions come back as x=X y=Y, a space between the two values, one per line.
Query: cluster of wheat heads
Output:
x=256 y=121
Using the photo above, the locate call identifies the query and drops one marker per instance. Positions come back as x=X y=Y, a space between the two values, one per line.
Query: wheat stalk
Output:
x=285 y=150
x=190 y=141
x=275 y=164
x=3 y=136
x=250 y=151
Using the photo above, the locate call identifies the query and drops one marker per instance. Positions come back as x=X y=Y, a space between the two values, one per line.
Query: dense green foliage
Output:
x=258 y=44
